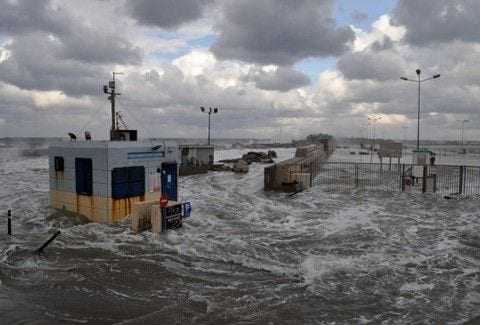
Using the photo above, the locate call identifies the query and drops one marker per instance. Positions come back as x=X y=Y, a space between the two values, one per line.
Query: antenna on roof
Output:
x=113 y=94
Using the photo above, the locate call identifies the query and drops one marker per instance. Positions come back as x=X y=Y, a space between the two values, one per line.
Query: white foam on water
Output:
x=235 y=223
x=314 y=267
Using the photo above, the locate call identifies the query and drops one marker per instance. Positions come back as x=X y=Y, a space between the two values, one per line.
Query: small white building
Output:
x=103 y=179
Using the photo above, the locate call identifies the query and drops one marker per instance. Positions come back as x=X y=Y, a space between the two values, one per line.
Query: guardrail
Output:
x=440 y=179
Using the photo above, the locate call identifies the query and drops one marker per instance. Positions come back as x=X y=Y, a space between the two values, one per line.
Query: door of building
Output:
x=83 y=176
x=169 y=181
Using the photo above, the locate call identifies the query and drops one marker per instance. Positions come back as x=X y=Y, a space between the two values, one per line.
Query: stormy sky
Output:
x=276 y=69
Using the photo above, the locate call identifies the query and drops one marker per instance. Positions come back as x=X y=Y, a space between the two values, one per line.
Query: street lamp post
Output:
x=463 y=126
x=419 y=82
x=210 y=111
x=405 y=128
x=374 y=119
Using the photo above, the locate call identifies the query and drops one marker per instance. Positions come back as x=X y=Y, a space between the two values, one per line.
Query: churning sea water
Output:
x=244 y=257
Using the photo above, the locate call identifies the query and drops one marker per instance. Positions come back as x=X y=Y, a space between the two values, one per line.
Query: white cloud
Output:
x=195 y=63
x=382 y=30
x=48 y=98
x=54 y=81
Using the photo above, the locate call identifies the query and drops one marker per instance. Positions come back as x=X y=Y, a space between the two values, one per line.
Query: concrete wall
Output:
x=287 y=174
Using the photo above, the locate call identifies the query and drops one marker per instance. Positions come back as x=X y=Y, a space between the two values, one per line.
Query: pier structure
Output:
x=297 y=173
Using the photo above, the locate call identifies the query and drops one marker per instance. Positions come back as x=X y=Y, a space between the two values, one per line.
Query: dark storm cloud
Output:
x=19 y=16
x=279 y=31
x=34 y=64
x=369 y=64
x=385 y=44
x=283 y=79
x=53 y=49
x=429 y=21
x=77 y=39
x=166 y=13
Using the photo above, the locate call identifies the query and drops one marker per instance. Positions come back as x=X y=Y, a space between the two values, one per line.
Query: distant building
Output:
x=195 y=159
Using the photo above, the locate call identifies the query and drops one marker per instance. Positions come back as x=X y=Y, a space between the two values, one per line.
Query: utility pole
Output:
x=418 y=114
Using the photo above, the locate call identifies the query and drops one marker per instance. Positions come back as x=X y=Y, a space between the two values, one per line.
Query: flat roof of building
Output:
x=196 y=146
x=111 y=144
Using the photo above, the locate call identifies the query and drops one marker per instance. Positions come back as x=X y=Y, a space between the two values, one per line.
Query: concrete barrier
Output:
x=298 y=172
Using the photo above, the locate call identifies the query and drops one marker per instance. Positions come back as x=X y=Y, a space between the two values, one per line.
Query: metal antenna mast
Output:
x=111 y=98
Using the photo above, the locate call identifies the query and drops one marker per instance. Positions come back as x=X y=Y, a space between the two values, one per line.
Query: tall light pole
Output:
x=463 y=126
x=374 y=119
x=419 y=82
x=405 y=128
x=210 y=111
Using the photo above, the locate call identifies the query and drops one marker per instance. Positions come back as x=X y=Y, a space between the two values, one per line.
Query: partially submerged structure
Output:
x=195 y=159
x=104 y=180
x=390 y=149
x=297 y=173
x=324 y=140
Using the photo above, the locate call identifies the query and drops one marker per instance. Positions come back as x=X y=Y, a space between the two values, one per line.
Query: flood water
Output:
x=244 y=257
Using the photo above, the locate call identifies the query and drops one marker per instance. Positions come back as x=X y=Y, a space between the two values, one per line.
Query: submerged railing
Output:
x=445 y=180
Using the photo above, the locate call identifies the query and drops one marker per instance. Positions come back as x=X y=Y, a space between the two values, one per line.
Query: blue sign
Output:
x=187 y=209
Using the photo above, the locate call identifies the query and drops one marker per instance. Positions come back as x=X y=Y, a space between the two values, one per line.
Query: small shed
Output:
x=195 y=159
x=422 y=156
x=390 y=149
x=103 y=179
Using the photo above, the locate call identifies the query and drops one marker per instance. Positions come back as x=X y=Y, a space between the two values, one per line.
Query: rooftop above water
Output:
x=112 y=144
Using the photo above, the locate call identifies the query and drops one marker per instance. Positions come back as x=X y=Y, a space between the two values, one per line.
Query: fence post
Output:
x=460 y=181
x=424 y=179
x=402 y=178
x=311 y=172
x=356 y=174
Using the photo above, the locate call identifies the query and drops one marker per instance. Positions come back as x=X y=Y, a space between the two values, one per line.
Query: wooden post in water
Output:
x=40 y=250
x=9 y=222
x=424 y=179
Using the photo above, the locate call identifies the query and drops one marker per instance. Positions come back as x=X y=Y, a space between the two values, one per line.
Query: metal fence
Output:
x=440 y=179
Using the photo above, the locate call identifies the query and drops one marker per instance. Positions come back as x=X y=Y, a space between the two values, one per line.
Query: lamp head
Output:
x=202 y=108
x=215 y=110
x=418 y=71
